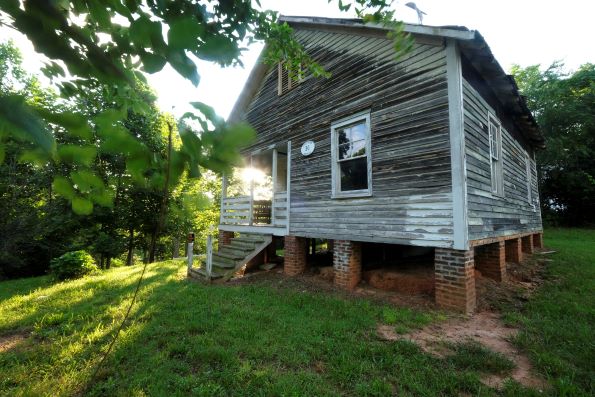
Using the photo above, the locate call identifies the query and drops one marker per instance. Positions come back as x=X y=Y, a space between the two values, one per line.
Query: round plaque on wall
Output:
x=308 y=148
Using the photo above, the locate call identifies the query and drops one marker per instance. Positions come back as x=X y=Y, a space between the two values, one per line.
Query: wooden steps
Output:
x=230 y=258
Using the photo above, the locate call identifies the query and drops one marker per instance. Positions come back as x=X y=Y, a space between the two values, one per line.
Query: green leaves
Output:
x=184 y=33
x=19 y=121
x=76 y=124
x=63 y=187
x=184 y=65
x=82 y=189
x=152 y=63
x=219 y=49
x=146 y=33
x=82 y=206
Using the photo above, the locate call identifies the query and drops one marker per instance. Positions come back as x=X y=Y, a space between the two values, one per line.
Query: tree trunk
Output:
x=108 y=262
x=129 y=257
x=153 y=244
x=176 y=248
x=163 y=208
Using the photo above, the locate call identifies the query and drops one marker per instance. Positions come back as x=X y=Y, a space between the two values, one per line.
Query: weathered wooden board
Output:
x=408 y=104
x=490 y=215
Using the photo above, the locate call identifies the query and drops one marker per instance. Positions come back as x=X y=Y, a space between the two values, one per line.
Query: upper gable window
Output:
x=495 y=137
x=352 y=162
x=285 y=81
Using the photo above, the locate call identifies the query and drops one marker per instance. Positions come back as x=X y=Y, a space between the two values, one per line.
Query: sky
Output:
x=524 y=32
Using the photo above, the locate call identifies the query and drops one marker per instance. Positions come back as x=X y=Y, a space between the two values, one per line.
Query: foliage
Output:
x=73 y=264
x=114 y=43
x=564 y=105
x=35 y=222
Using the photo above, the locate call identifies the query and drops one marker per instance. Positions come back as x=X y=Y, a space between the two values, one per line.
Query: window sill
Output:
x=351 y=195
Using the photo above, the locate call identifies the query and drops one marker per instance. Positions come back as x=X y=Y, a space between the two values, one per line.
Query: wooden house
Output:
x=434 y=149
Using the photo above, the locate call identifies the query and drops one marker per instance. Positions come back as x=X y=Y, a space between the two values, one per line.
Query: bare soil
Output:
x=11 y=341
x=485 y=328
x=418 y=281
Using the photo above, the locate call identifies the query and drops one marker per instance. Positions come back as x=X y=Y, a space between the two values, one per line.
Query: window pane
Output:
x=344 y=151
x=343 y=136
x=358 y=132
x=358 y=148
x=354 y=174
x=494 y=141
x=352 y=149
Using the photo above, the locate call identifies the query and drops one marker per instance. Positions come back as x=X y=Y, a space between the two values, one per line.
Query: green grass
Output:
x=558 y=323
x=262 y=338
x=475 y=356
x=273 y=336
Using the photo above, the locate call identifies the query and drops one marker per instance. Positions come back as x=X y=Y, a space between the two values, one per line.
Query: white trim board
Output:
x=457 y=146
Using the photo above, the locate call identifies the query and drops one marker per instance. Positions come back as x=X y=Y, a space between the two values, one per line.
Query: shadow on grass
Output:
x=69 y=329
x=194 y=339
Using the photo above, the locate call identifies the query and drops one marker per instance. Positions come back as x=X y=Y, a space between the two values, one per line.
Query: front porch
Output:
x=255 y=199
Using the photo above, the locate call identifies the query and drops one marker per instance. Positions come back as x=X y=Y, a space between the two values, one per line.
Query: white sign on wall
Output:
x=308 y=148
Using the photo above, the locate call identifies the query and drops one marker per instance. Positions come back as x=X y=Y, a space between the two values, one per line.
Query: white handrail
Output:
x=209 y=264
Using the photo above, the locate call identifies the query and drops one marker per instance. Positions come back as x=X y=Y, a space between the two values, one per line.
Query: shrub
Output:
x=73 y=264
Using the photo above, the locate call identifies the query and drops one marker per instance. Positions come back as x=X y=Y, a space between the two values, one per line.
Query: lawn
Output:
x=558 y=323
x=272 y=337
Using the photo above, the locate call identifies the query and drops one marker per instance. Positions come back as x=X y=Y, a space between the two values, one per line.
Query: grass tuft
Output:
x=476 y=357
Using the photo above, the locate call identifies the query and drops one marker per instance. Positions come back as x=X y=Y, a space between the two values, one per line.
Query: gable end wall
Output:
x=408 y=103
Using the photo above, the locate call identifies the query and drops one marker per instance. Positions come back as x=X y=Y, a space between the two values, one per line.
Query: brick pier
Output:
x=347 y=261
x=225 y=237
x=490 y=260
x=295 y=255
x=455 y=279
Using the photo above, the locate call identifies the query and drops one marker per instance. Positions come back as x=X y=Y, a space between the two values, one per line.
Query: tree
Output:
x=115 y=42
x=564 y=106
x=109 y=46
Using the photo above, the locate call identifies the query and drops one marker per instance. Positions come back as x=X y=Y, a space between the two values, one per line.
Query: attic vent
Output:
x=285 y=82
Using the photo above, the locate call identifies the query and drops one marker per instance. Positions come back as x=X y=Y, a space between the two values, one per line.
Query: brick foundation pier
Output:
x=490 y=260
x=514 y=250
x=225 y=237
x=347 y=261
x=295 y=255
x=455 y=279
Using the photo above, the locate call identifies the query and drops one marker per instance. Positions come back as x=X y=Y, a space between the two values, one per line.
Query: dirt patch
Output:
x=418 y=282
x=485 y=328
x=10 y=341
x=522 y=281
x=312 y=281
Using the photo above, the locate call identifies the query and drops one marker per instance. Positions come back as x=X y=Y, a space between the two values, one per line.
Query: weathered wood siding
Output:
x=411 y=202
x=490 y=215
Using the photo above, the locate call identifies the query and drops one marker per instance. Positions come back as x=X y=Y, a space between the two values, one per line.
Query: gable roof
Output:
x=471 y=43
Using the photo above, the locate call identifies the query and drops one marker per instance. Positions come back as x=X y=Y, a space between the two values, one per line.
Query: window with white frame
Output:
x=495 y=137
x=529 y=178
x=352 y=162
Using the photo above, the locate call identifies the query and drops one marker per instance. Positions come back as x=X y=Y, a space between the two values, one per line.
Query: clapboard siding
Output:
x=488 y=214
x=408 y=103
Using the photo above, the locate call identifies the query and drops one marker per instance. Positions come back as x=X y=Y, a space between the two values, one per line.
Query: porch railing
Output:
x=243 y=210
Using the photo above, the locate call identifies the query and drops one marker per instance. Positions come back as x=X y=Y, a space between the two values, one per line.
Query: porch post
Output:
x=274 y=172
x=288 y=185
x=251 y=219
x=223 y=196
